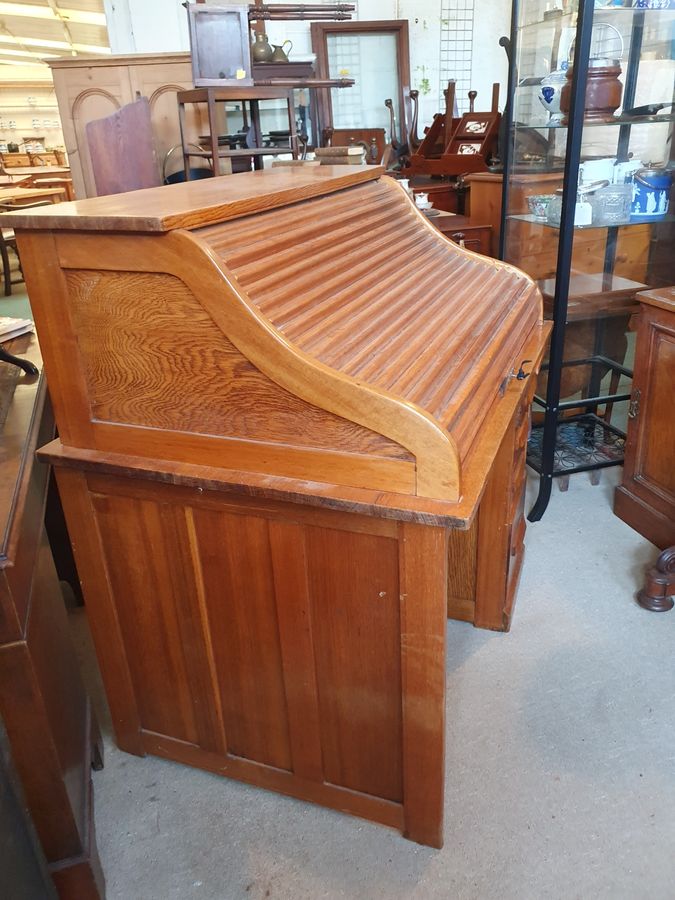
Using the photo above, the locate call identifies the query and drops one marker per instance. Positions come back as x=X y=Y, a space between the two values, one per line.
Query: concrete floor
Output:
x=560 y=760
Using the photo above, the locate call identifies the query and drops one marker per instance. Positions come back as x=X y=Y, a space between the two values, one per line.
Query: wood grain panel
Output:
x=462 y=572
x=655 y=467
x=236 y=563
x=495 y=521
x=353 y=584
x=289 y=559
x=330 y=795
x=423 y=579
x=103 y=619
x=140 y=550
x=154 y=357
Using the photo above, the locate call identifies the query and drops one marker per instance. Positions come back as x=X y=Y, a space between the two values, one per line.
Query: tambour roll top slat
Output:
x=359 y=282
x=309 y=324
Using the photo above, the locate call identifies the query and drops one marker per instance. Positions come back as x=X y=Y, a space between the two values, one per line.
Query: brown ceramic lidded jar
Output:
x=603 y=90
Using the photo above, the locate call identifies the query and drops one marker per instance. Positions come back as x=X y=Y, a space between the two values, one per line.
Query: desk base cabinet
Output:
x=293 y=648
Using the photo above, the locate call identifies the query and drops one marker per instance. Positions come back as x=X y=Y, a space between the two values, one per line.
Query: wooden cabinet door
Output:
x=85 y=95
x=649 y=473
x=160 y=83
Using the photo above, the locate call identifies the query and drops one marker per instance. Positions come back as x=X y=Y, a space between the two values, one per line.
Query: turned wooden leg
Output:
x=657 y=594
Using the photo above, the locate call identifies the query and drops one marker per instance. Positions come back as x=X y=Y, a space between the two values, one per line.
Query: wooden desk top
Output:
x=245 y=92
x=663 y=297
x=193 y=204
x=41 y=170
x=21 y=395
x=9 y=195
x=12 y=181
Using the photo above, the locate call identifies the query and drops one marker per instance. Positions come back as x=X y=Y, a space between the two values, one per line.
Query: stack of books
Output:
x=11 y=328
x=340 y=156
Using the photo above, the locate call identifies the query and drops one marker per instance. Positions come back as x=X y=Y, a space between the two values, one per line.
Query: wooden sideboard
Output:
x=292 y=441
x=533 y=248
x=51 y=729
x=89 y=88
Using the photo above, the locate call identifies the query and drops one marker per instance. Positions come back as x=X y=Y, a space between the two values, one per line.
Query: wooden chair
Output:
x=121 y=150
x=8 y=242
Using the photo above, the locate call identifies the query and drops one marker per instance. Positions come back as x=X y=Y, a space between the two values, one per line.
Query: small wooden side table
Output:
x=245 y=95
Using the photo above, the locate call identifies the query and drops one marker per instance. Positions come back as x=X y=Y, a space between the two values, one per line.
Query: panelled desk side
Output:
x=270 y=522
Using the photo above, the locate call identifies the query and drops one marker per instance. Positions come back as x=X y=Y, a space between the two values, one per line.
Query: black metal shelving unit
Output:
x=576 y=434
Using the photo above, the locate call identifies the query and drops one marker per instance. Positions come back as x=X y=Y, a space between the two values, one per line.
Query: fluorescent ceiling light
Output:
x=21 y=62
x=37 y=55
x=52 y=45
x=81 y=17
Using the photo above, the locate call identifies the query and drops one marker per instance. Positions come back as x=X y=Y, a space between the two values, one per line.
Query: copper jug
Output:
x=279 y=55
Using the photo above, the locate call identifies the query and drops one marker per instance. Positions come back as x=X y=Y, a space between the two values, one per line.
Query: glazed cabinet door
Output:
x=649 y=472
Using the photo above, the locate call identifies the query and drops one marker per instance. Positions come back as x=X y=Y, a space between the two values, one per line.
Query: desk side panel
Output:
x=263 y=640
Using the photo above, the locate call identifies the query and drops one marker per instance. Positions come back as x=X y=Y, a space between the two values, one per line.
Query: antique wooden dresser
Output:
x=645 y=499
x=50 y=726
x=292 y=423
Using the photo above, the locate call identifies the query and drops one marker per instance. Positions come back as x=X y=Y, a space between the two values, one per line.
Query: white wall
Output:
x=489 y=63
x=27 y=94
x=140 y=26
x=146 y=26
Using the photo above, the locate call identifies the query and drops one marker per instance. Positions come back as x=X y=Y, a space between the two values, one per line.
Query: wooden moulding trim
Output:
x=185 y=256
x=354 y=469
x=273 y=510
x=377 y=809
x=192 y=204
x=126 y=59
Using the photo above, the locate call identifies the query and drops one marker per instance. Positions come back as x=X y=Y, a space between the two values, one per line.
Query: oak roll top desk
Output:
x=292 y=422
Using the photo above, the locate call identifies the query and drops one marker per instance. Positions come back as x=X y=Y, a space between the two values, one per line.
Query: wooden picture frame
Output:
x=320 y=32
x=220 y=45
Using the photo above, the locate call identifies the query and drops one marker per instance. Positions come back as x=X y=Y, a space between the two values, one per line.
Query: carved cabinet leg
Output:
x=657 y=594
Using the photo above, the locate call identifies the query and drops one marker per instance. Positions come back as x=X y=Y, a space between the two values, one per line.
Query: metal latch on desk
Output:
x=520 y=375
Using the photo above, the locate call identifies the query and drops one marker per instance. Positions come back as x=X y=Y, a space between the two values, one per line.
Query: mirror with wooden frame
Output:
x=376 y=55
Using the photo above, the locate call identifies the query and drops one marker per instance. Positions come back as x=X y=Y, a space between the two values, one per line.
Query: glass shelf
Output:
x=584 y=442
x=608 y=123
x=647 y=220
x=591 y=275
x=569 y=19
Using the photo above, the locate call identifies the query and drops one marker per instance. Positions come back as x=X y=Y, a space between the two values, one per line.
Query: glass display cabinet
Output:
x=587 y=189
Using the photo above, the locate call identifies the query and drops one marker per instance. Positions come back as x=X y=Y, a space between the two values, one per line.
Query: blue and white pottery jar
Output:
x=651 y=194
x=549 y=92
x=654 y=4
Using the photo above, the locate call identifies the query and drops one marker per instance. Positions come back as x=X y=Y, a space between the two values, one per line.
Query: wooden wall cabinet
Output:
x=645 y=499
x=291 y=443
x=89 y=88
